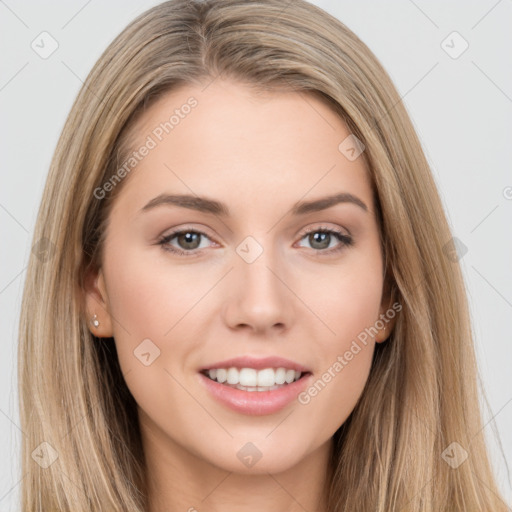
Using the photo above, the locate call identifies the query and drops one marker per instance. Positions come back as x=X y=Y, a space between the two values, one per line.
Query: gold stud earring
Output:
x=95 y=321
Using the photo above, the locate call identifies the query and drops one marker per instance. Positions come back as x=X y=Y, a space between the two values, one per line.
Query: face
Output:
x=186 y=286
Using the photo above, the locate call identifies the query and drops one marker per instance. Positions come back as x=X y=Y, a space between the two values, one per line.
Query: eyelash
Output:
x=346 y=241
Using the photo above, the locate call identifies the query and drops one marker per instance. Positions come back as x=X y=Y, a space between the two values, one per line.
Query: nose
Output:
x=258 y=296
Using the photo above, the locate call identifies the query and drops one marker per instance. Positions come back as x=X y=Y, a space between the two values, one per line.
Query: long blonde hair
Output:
x=82 y=449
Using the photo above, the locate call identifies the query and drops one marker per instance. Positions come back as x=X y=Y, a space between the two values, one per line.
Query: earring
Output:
x=95 y=321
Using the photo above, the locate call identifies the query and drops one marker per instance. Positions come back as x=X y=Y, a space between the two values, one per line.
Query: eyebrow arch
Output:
x=203 y=204
x=323 y=203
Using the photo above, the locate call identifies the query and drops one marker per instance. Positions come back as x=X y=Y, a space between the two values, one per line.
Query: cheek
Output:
x=347 y=300
x=148 y=295
x=149 y=299
x=346 y=297
x=346 y=358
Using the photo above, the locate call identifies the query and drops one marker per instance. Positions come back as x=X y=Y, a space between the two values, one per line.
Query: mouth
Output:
x=254 y=392
x=253 y=385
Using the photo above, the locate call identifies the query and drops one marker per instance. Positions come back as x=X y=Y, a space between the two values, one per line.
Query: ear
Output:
x=96 y=303
x=387 y=315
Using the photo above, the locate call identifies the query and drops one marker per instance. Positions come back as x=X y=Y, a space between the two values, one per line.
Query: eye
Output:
x=188 y=239
x=320 y=239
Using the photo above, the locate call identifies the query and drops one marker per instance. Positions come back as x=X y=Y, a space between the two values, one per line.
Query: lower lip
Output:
x=255 y=403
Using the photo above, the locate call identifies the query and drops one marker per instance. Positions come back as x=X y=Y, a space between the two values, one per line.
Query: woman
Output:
x=249 y=295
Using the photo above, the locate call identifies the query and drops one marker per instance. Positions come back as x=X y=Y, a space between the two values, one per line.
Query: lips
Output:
x=255 y=400
x=258 y=364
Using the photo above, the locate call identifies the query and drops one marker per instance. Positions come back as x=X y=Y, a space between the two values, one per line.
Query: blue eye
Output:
x=190 y=240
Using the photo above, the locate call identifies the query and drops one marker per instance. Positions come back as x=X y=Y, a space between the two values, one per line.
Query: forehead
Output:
x=230 y=141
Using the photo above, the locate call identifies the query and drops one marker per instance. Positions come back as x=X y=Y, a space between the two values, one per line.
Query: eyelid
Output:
x=187 y=227
x=323 y=226
x=304 y=231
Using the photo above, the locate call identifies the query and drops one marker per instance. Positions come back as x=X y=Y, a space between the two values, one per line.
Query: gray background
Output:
x=460 y=106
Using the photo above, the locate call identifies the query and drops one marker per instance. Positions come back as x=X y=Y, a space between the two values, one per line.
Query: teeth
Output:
x=290 y=376
x=280 y=376
x=232 y=376
x=254 y=388
x=250 y=379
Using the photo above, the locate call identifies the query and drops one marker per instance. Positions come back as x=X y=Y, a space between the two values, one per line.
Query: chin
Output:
x=260 y=456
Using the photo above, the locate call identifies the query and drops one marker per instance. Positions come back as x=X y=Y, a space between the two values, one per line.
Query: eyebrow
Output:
x=203 y=204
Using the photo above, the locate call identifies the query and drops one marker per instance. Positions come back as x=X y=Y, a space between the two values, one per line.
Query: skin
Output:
x=259 y=154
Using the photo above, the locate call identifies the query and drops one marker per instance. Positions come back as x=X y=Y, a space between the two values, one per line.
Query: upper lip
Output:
x=258 y=363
